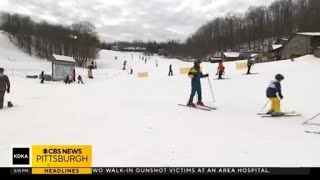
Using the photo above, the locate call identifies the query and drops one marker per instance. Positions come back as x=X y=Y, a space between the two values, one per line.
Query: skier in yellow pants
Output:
x=275 y=105
x=273 y=91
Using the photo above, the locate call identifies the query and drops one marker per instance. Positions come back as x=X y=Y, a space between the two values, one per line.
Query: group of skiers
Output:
x=273 y=92
x=69 y=79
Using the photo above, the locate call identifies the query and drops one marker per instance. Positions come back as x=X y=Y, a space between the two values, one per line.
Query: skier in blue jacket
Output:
x=196 y=74
x=274 y=93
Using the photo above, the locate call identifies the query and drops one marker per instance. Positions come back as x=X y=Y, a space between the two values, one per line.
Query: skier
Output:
x=292 y=57
x=74 y=74
x=4 y=86
x=124 y=65
x=273 y=91
x=250 y=63
x=131 y=71
x=42 y=77
x=220 y=70
x=156 y=63
x=195 y=74
x=170 y=70
x=80 y=80
x=68 y=80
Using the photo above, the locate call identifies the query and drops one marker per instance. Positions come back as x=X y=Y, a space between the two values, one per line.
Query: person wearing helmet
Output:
x=4 y=86
x=196 y=74
x=274 y=93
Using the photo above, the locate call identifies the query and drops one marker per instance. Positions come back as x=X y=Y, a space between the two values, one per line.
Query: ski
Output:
x=197 y=107
x=209 y=107
x=285 y=115
x=312 y=124
x=217 y=79
x=262 y=114
x=250 y=74
x=312 y=132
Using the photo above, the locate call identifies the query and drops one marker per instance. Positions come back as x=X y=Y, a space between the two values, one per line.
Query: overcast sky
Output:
x=128 y=20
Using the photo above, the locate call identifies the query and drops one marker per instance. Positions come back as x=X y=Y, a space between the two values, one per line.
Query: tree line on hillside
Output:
x=79 y=40
x=244 y=31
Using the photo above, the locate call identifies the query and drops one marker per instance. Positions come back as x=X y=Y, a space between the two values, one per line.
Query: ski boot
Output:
x=278 y=114
x=270 y=112
x=10 y=105
x=200 y=103
x=190 y=104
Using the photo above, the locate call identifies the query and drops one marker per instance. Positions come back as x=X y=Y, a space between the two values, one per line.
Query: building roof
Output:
x=63 y=58
x=215 y=59
x=310 y=33
x=276 y=46
x=232 y=54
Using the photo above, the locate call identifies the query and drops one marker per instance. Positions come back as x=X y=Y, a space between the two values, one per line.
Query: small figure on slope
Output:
x=273 y=91
x=80 y=80
x=124 y=65
x=292 y=57
x=195 y=74
x=42 y=77
x=4 y=86
x=250 y=63
x=220 y=70
x=67 y=80
x=170 y=70
x=90 y=73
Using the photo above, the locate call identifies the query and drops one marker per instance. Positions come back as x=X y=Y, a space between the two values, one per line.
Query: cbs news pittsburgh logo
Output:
x=56 y=159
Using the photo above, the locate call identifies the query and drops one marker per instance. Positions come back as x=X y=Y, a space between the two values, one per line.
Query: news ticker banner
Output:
x=77 y=159
x=164 y=171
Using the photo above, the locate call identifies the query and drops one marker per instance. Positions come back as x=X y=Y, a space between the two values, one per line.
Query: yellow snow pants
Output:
x=275 y=104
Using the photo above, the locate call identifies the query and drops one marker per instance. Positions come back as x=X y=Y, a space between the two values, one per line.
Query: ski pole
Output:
x=211 y=90
x=265 y=106
x=311 y=119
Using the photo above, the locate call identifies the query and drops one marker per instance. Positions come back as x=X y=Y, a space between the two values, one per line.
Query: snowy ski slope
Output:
x=131 y=121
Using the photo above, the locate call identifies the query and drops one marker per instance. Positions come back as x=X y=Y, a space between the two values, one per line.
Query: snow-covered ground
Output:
x=136 y=122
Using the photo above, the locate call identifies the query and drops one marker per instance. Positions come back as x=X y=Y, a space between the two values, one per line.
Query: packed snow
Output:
x=131 y=121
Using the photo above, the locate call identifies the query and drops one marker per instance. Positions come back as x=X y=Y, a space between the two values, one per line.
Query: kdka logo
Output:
x=20 y=156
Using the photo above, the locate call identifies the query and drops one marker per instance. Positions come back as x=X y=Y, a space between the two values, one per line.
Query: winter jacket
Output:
x=4 y=82
x=274 y=89
x=221 y=67
x=196 y=74
x=250 y=62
